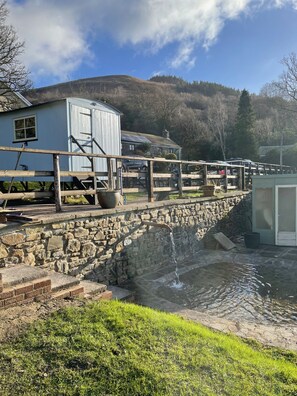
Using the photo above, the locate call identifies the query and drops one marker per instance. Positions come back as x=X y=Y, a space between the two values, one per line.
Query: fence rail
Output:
x=158 y=176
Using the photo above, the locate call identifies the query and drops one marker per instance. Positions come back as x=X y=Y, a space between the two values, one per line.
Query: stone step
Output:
x=118 y=293
x=92 y=288
x=73 y=291
x=61 y=282
x=12 y=276
x=24 y=283
x=106 y=295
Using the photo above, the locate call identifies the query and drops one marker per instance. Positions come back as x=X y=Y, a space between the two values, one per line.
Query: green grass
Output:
x=112 y=348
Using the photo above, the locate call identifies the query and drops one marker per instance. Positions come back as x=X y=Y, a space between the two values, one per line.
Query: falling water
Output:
x=176 y=283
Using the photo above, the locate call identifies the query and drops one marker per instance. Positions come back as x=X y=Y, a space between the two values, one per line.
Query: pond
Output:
x=263 y=291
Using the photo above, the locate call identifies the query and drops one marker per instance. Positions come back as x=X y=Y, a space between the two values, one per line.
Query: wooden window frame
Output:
x=24 y=129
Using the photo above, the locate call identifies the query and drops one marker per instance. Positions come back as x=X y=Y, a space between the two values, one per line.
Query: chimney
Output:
x=166 y=134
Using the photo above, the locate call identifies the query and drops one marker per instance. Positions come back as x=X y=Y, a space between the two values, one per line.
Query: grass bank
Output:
x=112 y=348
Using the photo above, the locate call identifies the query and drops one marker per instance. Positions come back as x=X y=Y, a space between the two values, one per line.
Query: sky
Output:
x=237 y=43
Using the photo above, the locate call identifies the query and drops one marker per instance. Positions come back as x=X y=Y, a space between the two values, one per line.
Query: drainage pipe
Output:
x=160 y=225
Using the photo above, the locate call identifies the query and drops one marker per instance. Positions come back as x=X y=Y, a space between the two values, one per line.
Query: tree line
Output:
x=208 y=120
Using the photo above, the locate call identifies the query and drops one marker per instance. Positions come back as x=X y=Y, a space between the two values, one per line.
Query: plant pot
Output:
x=252 y=240
x=109 y=199
x=208 y=191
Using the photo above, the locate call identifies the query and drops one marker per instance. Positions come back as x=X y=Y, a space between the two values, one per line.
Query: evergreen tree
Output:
x=243 y=142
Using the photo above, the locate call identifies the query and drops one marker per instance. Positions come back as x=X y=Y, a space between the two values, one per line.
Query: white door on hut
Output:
x=81 y=135
x=285 y=213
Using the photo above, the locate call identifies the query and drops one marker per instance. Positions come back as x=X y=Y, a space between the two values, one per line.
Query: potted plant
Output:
x=208 y=190
x=251 y=239
x=109 y=199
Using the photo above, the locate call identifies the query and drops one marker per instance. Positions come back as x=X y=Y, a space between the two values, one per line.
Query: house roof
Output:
x=12 y=100
x=23 y=99
x=263 y=150
x=138 y=137
x=88 y=103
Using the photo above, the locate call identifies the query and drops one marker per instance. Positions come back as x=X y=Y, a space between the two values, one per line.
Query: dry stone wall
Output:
x=113 y=245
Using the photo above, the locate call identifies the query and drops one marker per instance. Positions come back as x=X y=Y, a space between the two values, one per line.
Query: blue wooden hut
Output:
x=71 y=124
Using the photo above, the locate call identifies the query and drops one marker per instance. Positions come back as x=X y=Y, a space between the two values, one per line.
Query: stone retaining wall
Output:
x=113 y=245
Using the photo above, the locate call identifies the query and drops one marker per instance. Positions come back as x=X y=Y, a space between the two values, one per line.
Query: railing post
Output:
x=226 y=178
x=110 y=173
x=57 y=183
x=180 y=180
x=96 y=201
x=119 y=183
x=150 y=181
x=205 y=179
x=243 y=179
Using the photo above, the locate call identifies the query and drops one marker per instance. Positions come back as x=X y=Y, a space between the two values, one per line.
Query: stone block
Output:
x=99 y=236
x=81 y=232
x=55 y=243
x=13 y=239
x=74 y=245
x=3 y=252
x=29 y=259
x=88 y=250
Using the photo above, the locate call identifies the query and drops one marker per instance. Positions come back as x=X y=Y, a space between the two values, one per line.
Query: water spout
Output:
x=177 y=283
x=160 y=225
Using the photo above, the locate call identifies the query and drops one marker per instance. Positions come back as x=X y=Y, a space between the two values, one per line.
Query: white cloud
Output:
x=184 y=57
x=53 y=43
x=60 y=35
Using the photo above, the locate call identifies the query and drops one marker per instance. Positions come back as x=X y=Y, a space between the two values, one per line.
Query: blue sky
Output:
x=238 y=43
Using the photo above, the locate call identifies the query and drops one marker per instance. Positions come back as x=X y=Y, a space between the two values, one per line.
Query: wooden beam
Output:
x=67 y=193
x=110 y=174
x=20 y=173
x=150 y=181
x=27 y=195
x=57 y=183
x=161 y=189
x=205 y=175
x=180 y=180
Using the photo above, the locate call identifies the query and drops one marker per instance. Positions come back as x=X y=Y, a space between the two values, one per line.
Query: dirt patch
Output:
x=14 y=320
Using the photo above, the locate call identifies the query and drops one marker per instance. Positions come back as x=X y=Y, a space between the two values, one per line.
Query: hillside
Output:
x=91 y=88
x=114 y=348
x=198 y=114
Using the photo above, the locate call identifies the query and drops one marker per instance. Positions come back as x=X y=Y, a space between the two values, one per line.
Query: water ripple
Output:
x=265 y=293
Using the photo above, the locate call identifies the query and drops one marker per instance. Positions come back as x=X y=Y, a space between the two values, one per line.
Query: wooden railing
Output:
x=161 y=176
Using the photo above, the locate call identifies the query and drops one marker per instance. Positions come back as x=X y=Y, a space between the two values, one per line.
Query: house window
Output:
x=131 y=147
x=25 y=129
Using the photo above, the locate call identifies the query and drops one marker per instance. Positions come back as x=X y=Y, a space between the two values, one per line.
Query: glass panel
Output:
x=30 y=133
x=20 y=134
x=30 y=122
x=287 y=209
x=18 y=124
x=263 y=208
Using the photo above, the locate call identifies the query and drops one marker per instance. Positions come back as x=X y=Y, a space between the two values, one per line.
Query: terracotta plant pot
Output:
x=208 y=191
x=109 y=199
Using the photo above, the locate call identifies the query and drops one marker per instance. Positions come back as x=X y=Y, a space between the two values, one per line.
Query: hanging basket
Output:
x=109 y=199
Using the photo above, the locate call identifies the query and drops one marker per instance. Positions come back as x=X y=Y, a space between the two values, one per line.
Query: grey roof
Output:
x=88 y=103
x=23 y=99
x=263 y=150
x=138 y=137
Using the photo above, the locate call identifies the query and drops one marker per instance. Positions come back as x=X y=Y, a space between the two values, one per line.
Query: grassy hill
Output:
x=92 y=88
x=113 y=348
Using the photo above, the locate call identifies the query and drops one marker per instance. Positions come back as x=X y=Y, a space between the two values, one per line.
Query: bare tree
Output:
x=286 y=85
x=217 y=121
x=13 y=75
